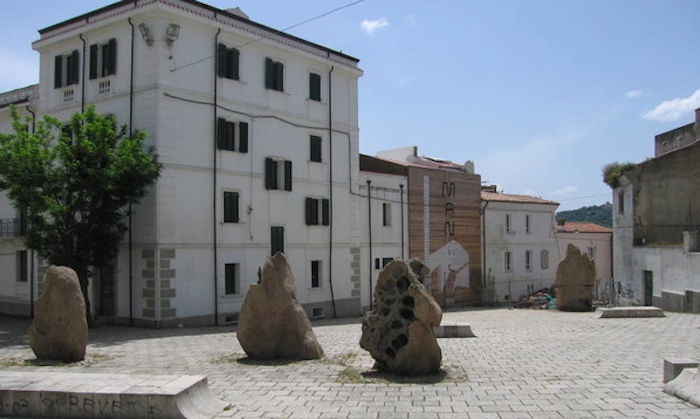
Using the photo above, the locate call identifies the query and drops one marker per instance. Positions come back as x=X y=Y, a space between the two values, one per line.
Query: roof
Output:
x=200 y=5
x=19 y=96
x=582 y=227
x=519 y=199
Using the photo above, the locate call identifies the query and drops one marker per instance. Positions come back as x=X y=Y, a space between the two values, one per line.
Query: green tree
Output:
x=77 y=182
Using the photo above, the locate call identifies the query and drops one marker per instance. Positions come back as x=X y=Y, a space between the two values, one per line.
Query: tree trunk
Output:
x=84 y=281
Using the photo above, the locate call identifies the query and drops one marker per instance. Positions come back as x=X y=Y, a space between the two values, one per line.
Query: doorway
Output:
x=106 y=307
x=648 y=288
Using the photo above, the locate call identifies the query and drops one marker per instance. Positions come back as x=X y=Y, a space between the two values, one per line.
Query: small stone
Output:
x=59 y=330
x=272 y=324
x=398 y=332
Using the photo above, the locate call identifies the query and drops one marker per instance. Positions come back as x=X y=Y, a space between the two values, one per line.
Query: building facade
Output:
x=520 y=252
x=656 y=219
x=258 y=134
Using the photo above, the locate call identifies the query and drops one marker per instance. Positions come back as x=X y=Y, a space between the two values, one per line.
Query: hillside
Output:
x=599 y=214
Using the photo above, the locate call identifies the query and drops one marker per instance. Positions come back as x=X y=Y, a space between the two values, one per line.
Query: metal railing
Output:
x=11 y=227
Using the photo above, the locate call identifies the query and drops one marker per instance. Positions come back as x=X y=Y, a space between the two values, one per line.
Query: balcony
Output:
x=12 y=227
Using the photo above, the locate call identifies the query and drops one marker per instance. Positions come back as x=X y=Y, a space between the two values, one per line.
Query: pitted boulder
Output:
x=575 y=281
x=398 y=332
x=272 y=324
x=59 y=330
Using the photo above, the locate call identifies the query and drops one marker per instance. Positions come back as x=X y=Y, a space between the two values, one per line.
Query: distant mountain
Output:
x=599 y=214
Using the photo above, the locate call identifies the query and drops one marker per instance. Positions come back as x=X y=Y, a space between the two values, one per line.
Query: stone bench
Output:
x=453 y=330
x=39 y=394
x=686 y=386
x=627 y=312
x=673 y=367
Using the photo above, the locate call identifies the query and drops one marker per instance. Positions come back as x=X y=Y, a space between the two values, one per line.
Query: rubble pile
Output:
x=540 y=300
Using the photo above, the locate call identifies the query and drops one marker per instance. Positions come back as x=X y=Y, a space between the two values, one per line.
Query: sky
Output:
x=539 y=94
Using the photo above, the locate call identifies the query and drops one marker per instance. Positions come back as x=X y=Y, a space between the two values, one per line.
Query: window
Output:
x=381 y=263
x=228 y=62
x=314 y=207
x=528 y=260
x=276 y=240
x=315 y=148
x=67 y=69
x=316 y=274
x=22 y=268
x=103 y=59
x=508 y=261
x=509 y=227
x=386 y=214
x=231 y=204
x=278 y=174
x=227 y=138
x=386 y=261
x=527 y=224
x=544 y=259
x=274 y=75
x=231 y=278
x=591 y=252
x=621 y=202
x=315 y=87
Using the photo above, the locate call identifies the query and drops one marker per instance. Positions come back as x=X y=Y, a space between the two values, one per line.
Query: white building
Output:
x=258 y=134
x=591 y=239
x=520 y=253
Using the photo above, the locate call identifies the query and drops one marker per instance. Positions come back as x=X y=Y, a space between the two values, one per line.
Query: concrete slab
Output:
x=673 y=367
x=120 y=396
x=454 y=330
x=629 y=312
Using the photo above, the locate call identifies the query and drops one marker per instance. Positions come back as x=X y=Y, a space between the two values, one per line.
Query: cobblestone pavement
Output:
x=523 y=364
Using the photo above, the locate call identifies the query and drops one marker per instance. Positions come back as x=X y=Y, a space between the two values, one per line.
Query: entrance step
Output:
x=106 y=396
x=639 y=311
x=453 y=330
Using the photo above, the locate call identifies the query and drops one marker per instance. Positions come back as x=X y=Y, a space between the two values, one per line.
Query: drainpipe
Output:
x=369 y=218
x=31 y=251
x=484 y=271
x=214 y=184
x=330 y=186
x=82 y=81
x=402 y=228
x=131 y=125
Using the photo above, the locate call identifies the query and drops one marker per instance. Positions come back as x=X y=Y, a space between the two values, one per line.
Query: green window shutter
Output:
x=235 y=63
x=268 y=73
x=58 y=72
x=325 y=212
x=311 y=210
x=279 y=77
x=110 y=57
x=314 y=87
x=270 y=174
x=243 y=137
x=315 y=148
x=221 y=127
x=93 y=61
x=221 y=60
x=231 y=204
x=75 y=68
x=287 y=175
x=276 y=240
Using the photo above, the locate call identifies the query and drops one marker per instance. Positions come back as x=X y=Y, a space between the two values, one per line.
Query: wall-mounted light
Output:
x=172 y=33
x=146 y=33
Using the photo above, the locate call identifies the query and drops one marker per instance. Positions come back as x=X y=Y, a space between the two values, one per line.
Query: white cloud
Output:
x=370 y=26
x=411 y=19
x=674 y=109
x=567 y=190
x=633 y=94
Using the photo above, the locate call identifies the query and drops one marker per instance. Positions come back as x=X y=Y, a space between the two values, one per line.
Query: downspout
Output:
x=402 y=225
x=31 y=251
x=214 y=191
x=369 y=217
x=131 y=125
x=82 y=81
x=330 y=187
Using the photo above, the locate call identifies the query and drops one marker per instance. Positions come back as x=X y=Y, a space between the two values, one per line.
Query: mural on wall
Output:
x=450 y=265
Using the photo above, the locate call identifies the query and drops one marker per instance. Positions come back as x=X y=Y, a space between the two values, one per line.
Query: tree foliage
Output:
x=598 y=214
x=613 y=171
x=76 y=182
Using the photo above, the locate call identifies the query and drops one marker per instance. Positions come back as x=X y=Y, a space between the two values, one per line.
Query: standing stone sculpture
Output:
x=398 y=332
x=575 y=281
x=59 y=330
x=272 y=324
